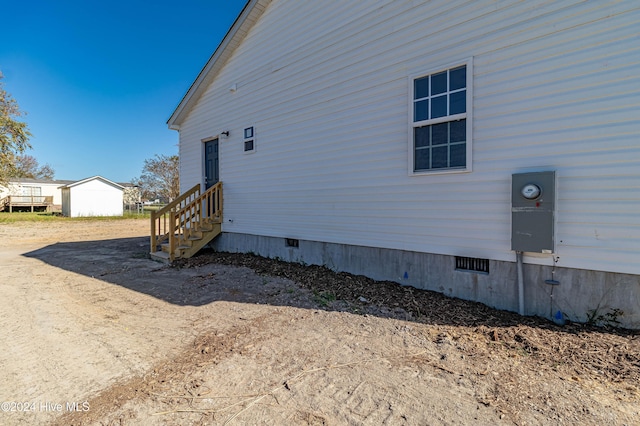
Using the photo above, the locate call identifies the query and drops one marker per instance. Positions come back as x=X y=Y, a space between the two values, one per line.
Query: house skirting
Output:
x=581 y=295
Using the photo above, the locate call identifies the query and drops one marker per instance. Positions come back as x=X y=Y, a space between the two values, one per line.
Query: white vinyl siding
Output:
x=555 y=87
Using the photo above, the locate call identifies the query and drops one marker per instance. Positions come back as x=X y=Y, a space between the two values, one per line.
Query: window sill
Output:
x=440 y=172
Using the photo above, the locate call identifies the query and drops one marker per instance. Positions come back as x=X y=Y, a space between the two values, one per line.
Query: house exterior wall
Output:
x=95 y=198
x=327 y=89
x=10 y=189
x=48 y=189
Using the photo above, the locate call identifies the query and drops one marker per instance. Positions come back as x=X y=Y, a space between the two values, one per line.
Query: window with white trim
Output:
x=441 y=125
x=249 y=140
x=29 y=191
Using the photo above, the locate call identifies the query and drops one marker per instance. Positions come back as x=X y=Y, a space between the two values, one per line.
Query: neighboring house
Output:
x=94 y=196
x=27 y=192
x=389 y=138
x=131 y=193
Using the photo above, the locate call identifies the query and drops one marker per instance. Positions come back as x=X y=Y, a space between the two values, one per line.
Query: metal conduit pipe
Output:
x=520 y=283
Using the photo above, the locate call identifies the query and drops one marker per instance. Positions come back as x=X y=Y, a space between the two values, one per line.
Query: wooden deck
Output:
x=26 y=202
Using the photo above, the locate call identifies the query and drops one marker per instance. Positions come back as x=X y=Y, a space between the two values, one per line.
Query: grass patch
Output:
x=15 y=217
x=324 y=298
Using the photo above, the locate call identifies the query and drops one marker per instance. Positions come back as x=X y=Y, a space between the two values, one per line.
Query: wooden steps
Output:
x=185 y=226
x=160 y=256
x=189 y=245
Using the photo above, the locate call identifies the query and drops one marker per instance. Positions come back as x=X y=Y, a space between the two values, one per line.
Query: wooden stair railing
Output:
x=178 y=223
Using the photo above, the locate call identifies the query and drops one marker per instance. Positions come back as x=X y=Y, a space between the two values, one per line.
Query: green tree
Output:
x=14 y=134
x=26 y=166
x=160 y=178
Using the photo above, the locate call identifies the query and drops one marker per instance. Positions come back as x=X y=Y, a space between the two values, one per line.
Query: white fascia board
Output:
x=80 y=182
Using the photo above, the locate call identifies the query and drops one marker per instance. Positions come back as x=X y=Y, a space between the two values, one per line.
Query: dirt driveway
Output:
x=93 y=332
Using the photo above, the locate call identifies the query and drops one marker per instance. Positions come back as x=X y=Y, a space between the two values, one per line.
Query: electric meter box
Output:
x=533 y=200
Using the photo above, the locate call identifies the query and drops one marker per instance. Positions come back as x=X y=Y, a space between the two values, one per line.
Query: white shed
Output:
x=386 y=138
x=94 y=196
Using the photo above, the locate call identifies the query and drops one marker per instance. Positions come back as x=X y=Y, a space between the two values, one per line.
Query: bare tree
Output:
x=160 y=178
x=26 y=166
x=14 y=134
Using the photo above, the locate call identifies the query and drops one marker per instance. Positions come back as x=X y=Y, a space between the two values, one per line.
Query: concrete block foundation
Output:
x=581 y=296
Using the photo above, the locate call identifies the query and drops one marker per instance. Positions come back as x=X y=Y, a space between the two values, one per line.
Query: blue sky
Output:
x=99 y=79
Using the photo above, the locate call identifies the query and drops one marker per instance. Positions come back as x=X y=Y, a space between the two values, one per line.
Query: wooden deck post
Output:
x=152 y=243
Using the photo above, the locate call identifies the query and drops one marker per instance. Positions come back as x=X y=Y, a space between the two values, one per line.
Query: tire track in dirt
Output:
x=84 y=314
x=122 y=401
x=63 y=338
x=248 y=373
x=63 y=356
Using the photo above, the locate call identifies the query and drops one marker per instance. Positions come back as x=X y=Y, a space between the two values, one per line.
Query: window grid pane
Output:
x=439 y=106
x=440 y=94
x=458 y=78
x=439 y=83
x=458 y=102
x=440 y=145
x=421 y=110
x=421 y=88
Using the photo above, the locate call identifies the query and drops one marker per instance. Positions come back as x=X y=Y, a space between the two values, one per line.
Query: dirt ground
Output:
x=93 y=332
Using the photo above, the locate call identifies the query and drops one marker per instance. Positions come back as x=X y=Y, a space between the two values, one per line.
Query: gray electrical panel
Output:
x=533 y=198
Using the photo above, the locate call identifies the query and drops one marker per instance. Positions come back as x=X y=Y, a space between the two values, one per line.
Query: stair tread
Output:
x=161 y=256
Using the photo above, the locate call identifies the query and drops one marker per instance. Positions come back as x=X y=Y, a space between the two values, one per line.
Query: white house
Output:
x=392 y=139
x=94 y=196
x=26 y=188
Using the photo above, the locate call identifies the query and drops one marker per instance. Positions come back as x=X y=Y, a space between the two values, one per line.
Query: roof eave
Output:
x=97 y=177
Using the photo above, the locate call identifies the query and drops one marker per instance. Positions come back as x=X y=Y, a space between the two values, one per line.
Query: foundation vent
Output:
x=472 y=264
x=291 y=242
